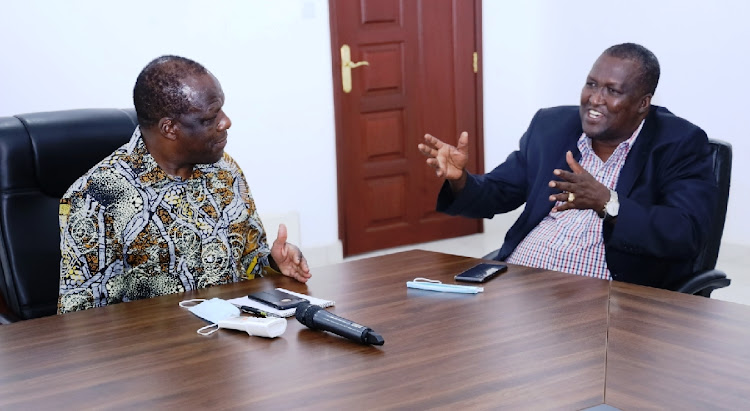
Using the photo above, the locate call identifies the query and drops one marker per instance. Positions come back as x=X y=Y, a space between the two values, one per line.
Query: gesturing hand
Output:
x=288 y=257
x=579 y=189
x=448 y=161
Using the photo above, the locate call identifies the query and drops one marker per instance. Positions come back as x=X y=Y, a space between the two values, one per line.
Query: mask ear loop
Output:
x=195 y=301
x=202 y=331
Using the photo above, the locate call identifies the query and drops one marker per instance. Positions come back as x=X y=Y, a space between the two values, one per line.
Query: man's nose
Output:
x=225 y=123
x=596 y=97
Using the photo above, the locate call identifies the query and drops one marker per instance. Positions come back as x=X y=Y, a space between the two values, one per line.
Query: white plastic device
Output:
x=261 y=327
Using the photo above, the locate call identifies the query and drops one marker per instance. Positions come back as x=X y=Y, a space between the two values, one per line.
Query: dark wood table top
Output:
x=668 y=350
x=534 y=339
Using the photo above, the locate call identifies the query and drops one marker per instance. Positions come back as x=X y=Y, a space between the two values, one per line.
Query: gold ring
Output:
x=571 y=197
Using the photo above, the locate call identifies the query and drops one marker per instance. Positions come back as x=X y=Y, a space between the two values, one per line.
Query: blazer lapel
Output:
x=637 y=156
x=570 y=143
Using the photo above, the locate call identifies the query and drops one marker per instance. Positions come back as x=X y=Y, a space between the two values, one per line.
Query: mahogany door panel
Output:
x=411 y=73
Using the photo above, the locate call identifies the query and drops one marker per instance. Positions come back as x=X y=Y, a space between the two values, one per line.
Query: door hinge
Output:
x=476 y=66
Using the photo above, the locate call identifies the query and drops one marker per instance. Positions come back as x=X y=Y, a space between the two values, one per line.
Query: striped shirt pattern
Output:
x=571 y=241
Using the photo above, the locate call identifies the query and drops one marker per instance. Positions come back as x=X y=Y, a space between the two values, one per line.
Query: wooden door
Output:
x=420 y=78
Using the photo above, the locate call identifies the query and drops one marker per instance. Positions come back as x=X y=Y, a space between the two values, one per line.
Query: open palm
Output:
x=448 y=161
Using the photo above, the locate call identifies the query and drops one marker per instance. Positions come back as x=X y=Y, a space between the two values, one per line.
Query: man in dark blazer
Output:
x=614 y=188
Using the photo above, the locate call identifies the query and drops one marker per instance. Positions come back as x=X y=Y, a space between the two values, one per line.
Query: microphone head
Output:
x=305 y=312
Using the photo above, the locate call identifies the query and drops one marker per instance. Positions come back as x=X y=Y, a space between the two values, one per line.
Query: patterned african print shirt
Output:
x=130 y=231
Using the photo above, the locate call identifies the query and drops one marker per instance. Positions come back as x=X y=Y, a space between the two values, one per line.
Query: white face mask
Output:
x=213 y=311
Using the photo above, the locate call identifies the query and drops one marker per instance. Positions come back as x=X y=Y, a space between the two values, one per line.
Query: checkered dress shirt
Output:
x=571 y=241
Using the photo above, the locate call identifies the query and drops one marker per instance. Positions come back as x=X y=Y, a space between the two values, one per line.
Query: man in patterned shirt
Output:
x=169 y=211
x=614 y=188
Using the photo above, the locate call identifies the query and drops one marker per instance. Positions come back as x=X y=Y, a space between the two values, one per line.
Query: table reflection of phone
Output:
x=481 y=272
x=277 y=299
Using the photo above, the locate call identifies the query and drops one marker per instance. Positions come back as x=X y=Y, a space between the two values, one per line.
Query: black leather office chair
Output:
x=706 y=278
x=41 y=155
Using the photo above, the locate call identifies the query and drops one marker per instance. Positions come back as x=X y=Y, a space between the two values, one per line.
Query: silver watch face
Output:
x=613 y=205
x=613 y=208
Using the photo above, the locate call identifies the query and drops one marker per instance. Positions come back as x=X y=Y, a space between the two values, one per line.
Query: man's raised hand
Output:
x=289 y=258
x=448 y=161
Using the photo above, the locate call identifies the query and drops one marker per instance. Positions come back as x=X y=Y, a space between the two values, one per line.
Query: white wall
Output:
x=537 y=54
x=273 y=59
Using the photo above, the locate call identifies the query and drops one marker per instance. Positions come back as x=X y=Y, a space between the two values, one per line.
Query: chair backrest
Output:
x=721 y=152
x=41 y=155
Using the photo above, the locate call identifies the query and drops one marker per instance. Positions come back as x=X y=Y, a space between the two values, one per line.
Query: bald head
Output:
x=160 y=90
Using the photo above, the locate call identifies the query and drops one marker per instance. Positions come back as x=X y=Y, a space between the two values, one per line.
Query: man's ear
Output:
x=168 y=128
x=645 y=104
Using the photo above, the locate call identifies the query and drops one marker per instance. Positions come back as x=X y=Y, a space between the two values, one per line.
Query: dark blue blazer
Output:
x=666 y=191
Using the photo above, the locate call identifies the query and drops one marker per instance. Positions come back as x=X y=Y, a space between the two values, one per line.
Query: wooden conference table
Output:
x=534 y=339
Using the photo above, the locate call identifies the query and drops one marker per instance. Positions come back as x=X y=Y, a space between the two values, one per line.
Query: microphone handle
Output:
x=341 y=326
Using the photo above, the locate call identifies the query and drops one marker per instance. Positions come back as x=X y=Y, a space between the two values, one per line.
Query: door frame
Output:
x=337 y=106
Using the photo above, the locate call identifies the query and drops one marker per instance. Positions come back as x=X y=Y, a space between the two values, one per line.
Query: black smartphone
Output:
x=481 y=272
x=277 y=299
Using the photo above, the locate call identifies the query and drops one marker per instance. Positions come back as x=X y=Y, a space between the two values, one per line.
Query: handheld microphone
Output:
x=317 y=318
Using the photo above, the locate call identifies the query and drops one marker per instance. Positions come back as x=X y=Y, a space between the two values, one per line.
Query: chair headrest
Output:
x=66 y=144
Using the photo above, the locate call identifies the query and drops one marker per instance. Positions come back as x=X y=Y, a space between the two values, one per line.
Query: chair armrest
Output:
x=6 y=315
x=8 y=318
x=492 y=255
x=704 y=282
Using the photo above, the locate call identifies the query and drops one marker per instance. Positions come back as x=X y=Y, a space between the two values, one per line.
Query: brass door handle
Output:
x=346 y=67
x=352 y=65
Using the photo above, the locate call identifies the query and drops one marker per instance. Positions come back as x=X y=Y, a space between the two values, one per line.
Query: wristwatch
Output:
x=612 y=208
